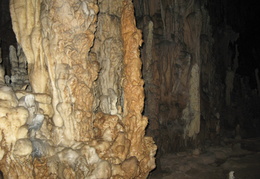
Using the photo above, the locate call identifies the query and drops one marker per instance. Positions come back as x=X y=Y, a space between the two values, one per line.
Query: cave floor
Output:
x=213 y=162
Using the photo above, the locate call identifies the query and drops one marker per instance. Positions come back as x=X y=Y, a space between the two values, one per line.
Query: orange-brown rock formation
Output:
x=83 y=117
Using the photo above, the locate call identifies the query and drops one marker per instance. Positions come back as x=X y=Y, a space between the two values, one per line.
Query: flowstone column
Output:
x=68 y=32
x=63 y=131
x=141 y=147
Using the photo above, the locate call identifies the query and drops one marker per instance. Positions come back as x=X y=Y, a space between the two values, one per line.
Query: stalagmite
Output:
x=135 y=123
x=82 y=117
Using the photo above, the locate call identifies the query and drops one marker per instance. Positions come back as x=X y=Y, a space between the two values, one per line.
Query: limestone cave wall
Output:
x=194 y=67
x=172 y=57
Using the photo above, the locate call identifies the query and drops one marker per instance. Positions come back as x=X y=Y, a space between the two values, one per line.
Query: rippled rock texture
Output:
x=172 y=58
x=83 y=117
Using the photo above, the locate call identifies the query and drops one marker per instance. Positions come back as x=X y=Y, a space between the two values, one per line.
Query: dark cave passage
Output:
x=229 y=79
x=229 y=61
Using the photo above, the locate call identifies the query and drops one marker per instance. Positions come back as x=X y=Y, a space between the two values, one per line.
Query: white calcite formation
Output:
x=83 y=117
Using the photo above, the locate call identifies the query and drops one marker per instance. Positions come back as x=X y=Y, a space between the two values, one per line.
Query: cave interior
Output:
x=197 y=82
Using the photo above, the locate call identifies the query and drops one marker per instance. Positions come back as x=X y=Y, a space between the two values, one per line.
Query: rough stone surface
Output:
x=19 y=74
x=83 y=117
x=216 y=162
x=171 y=67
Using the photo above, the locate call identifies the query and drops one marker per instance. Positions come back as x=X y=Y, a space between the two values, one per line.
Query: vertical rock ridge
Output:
x=134 y=122
x=83 y=117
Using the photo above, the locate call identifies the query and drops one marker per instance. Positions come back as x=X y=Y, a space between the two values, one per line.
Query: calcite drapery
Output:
x=27 y=27
x=108 y=51
x=63 y=131
x=171 y=67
